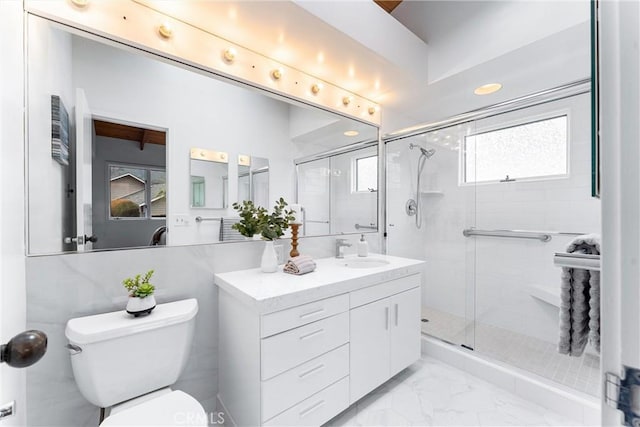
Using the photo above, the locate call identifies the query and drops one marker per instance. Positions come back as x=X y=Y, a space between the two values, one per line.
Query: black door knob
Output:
x=91 y=239
x=24 y=349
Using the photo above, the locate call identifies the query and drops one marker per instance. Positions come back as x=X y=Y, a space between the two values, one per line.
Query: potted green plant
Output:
x=256 y=220
x=141 y=299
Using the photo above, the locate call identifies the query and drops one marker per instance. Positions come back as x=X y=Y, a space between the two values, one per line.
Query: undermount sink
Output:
x=364 y=262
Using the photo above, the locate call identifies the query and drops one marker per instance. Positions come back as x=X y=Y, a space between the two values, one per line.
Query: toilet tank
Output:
x=119 y=357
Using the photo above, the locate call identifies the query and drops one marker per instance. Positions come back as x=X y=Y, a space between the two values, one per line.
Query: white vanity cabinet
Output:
x=385 y=339
x=300 y=352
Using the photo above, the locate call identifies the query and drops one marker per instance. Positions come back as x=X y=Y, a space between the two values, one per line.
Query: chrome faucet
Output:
x=340 y=245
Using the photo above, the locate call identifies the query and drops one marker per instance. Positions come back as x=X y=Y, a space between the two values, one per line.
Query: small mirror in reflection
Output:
x=209 y=179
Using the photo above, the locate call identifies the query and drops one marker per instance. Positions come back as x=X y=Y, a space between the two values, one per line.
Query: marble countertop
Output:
x=269 y=292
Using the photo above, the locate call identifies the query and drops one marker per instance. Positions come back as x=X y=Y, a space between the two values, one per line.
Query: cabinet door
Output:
x=369 y=352
x=405 y=329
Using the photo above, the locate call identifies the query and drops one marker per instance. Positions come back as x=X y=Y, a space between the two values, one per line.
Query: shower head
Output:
x=425 y=152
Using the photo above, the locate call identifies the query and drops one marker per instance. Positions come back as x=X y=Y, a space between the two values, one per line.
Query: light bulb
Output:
x=230 y=54
x=165 y=30
x=315 y=89
x=277 y=73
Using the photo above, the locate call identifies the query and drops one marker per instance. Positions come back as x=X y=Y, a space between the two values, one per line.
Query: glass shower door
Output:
x=444 y=209
x=532 y=174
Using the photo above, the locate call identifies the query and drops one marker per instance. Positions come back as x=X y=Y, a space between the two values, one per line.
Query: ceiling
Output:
x=129 y=133
x=393 y=59
x=388 y=5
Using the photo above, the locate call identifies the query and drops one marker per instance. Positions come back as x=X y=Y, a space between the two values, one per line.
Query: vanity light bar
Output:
x=157 y=31
x=209 y=155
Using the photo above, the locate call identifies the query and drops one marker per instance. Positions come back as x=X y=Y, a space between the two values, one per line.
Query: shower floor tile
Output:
x=528 y=353
x=432 y=393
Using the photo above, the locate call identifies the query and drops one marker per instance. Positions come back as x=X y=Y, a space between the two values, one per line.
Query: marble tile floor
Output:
x=432 y=393
x=525 y=352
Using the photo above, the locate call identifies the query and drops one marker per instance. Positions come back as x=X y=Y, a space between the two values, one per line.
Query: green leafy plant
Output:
x=139 y=286
x=257 y=220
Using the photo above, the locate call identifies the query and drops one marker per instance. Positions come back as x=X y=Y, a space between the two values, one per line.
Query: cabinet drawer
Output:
x=294 y=385
x=289 y=349
x=290 y=318
x=383 y=290
x=317 y=409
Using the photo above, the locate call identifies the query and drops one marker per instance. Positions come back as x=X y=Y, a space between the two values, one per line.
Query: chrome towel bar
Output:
x=368 y=227
x=200 y=219
x=513 y=234
x=577 y=260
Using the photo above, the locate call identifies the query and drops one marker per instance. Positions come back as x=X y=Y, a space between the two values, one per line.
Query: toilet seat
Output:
x=175 y=408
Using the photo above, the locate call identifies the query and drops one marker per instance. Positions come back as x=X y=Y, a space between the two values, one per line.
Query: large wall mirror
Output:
x=110 y=133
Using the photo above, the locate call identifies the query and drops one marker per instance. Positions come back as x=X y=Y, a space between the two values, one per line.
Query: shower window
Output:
x=366 y=174
x=531 y=151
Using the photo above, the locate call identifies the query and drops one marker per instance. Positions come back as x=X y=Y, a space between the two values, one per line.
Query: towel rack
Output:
x=577 y=260
x=514 y=234
x=200 y=219
x=368 y=227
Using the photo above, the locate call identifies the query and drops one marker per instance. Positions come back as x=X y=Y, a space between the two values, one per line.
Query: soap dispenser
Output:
x=363 y=246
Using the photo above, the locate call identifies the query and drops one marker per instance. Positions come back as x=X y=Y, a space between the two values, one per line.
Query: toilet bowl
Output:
x=127 y=365
x=168 y=408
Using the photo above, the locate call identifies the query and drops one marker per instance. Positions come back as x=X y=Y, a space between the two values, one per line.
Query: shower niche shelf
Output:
x=431 y=193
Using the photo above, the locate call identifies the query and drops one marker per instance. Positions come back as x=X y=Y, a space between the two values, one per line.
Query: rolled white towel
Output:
x=301 y=264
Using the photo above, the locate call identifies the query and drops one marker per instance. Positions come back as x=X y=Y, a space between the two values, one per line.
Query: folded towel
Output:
x=301 y=264
x=580 y=301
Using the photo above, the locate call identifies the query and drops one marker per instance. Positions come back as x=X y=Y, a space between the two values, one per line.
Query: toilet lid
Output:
x=172 y=409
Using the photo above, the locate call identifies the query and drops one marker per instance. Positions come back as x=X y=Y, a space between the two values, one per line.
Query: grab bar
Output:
x=577 y=260
x=317 y=221
x=514 y=234
x=368 y=227
x=200 y=219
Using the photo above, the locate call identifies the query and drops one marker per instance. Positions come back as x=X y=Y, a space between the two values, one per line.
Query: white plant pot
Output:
x=141 y=306
x=269 y=262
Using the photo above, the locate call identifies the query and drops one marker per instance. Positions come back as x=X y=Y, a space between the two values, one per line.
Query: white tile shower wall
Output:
x=197 y=111
x=65 y=286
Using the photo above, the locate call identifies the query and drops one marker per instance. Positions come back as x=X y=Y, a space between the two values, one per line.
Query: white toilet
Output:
x=127 y=364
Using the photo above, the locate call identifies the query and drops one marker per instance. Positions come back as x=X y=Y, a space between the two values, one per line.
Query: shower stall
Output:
x=487 y=199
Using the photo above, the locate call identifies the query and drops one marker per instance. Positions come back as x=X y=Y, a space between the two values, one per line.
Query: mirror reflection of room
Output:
x=120 y=191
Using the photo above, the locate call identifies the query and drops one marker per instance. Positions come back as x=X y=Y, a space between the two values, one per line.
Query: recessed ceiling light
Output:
x=487 y=89
x=351 y=133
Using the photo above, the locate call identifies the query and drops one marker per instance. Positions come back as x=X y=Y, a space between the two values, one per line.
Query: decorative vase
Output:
x=269 y=262
x=141 y=306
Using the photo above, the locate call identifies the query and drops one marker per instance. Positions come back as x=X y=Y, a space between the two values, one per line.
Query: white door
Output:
x=405 y=329
x=619 y=105
x=84 y=135
x=369 y=347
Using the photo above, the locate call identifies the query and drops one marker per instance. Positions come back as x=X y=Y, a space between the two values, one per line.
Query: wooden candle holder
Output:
x=294 y=241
